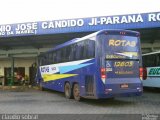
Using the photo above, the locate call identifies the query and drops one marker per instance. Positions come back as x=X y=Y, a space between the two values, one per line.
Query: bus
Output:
x=152 y=63
x=104 y=64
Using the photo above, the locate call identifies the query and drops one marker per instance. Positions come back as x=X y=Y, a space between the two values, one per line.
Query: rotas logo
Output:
x=122 y=43
x=45 y=69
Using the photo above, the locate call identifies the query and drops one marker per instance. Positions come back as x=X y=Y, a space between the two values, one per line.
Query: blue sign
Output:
x=131 y=21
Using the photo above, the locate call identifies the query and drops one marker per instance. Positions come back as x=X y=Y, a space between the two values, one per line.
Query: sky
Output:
x=19 y=11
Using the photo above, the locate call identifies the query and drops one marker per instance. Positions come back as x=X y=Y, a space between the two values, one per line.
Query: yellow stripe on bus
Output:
x=50 y=77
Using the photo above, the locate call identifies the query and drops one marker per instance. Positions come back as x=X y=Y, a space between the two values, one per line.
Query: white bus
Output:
x=152 y=62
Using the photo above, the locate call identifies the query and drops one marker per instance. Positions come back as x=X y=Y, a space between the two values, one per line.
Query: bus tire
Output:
x=68 y=91
x=76 y=92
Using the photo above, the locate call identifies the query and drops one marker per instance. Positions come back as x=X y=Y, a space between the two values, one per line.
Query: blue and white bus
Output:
x=151 y=61
x=104 y=64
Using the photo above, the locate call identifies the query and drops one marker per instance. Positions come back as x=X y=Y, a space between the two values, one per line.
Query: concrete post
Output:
x=12 y=71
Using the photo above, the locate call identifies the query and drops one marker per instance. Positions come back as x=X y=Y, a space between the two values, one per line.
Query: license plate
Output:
x=124 y=85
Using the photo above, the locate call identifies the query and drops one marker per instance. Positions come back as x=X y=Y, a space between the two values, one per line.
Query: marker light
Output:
x=122 y=33
x=103 y=73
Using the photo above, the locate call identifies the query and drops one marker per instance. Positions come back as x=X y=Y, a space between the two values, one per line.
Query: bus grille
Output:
x=89 y=85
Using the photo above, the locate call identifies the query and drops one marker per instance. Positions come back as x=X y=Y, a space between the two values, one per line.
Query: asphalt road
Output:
x=51 y=102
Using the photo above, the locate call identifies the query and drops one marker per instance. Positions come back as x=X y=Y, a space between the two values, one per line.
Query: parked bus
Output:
x=104 y=64
x=152 y=63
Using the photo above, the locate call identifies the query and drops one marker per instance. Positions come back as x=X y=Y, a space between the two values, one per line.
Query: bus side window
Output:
x=144 y=59
x=68 y=53
x=154 y=57
x=50 y=58
x=90 y=49
x=46 y=59
x=150 y=60
x=85 y=49
x=63 y=57
x=79 y=51
x=58 y=57
x=73 y=52
x=158 y=59
x=54 y=58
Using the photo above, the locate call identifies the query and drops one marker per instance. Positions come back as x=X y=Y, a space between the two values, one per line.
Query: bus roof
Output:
x=109 y=31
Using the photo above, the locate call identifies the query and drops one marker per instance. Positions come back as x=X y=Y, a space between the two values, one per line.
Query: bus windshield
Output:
x=121 y=47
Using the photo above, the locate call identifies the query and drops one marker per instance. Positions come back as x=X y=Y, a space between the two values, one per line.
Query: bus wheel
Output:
x=68 y=91
x=76 y=92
